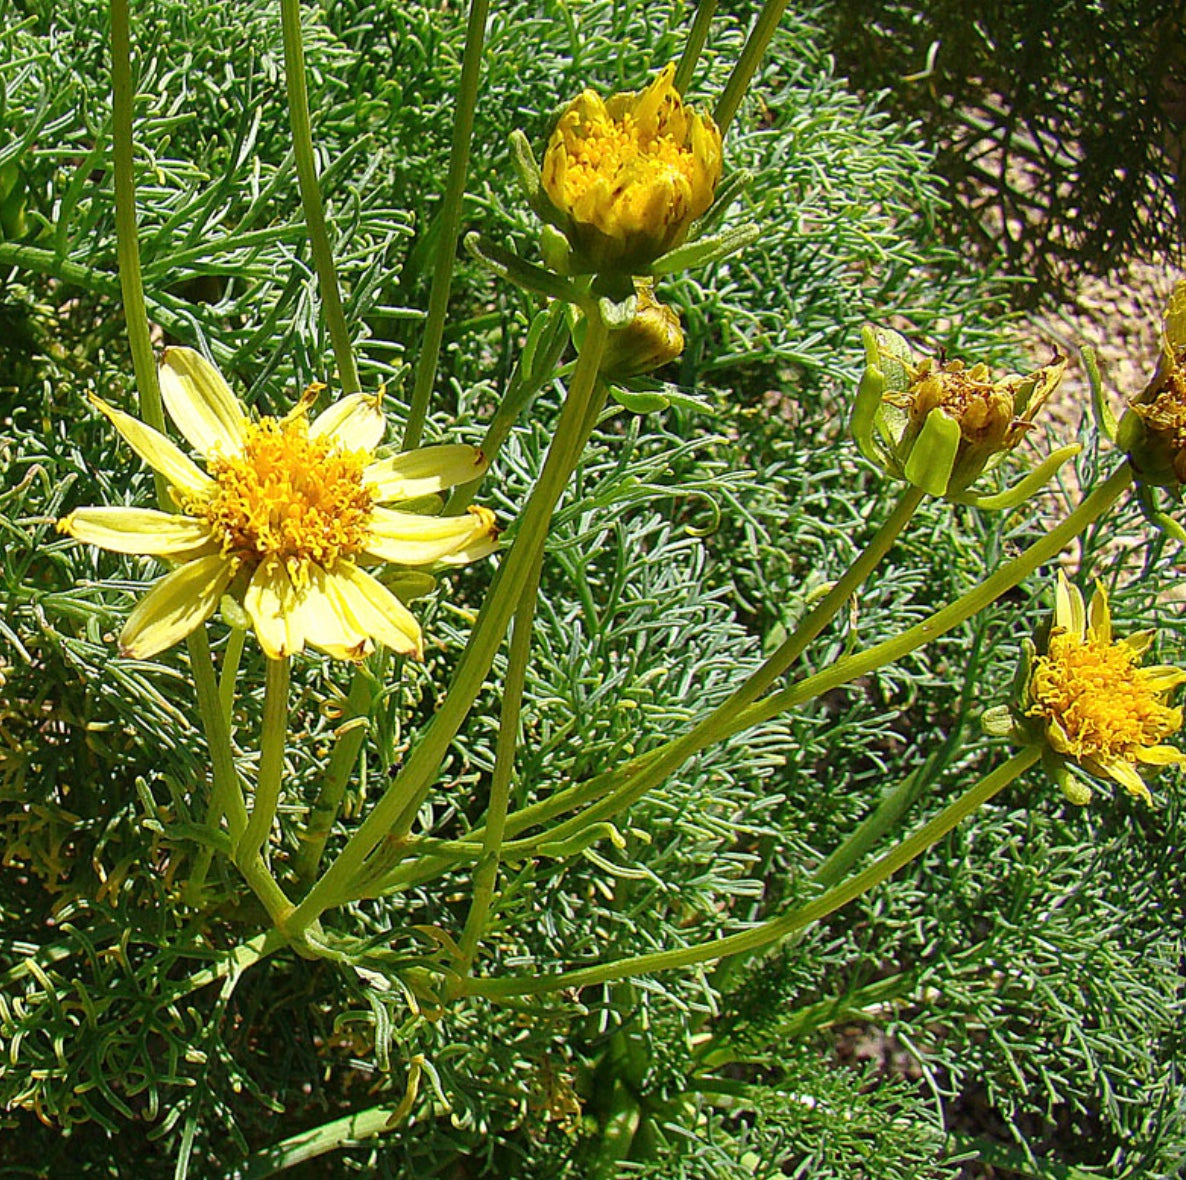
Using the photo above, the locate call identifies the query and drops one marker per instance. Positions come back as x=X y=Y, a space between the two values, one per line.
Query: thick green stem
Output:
x=486 y=873
x=329 y=798
x=770 y=932
x=448 y=224
x=306 y=168
x=273 y=732
x=394 y=813
x=127 y=241
x=747 y=63
x=697 y=37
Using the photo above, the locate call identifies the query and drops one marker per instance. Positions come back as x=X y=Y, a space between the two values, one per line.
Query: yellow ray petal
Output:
x=1069 y=613
x=354 y=422
x=1163 y=677
x=329 y=623
x=377 y=612
x=140 y=530
x=480 y=547
x=1123 y=773
x=1099 y=617
x=276 y=610
x=201 y=403
x=1160 y=755
x=157 y=451
x=422 y=472
x=407 y=539
x=1139 y=642
x=178 y=604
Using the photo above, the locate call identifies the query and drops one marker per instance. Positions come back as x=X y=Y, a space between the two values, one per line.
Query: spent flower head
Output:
x=1086 y=700
x=940 y=424
x=627 y=177
x=1153 y=430
x=286 y=516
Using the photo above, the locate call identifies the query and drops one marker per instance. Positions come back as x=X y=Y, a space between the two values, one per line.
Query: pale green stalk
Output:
x=773 y=931
x=230 y=670
x=697 y=37
x=273 y=732
x=325 y=808
x=751 y=56
x=393 y=814
x=449 y=224
x=306 y=168
x=486 y=872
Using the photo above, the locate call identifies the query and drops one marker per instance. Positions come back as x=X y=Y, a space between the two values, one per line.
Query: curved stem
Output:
x=776 y=929
x=668 y=758
x=393 y=814
x=306 y=168
x=721 y=722
x=486 y=872
x=619 y=788
x=747 y=63
x=273 y=732
x=450 y=221
x=230 y=670
x=333 y=786
x=697 y=36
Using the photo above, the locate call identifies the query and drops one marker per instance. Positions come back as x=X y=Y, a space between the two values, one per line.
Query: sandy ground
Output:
x=1120 y=317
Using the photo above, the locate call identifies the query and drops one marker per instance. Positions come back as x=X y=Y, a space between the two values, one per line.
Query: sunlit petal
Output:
x=178 y=604
x=407 y=539
x=423 y=472
x=140 y=530
x=157 y=451
x=375 y=609
x=201 y=403
x=354 y=422
x=275 y=609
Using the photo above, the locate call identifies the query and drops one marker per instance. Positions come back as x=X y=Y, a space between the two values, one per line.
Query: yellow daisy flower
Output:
x=1096 y=705
x=286 y=516
x=628 y=176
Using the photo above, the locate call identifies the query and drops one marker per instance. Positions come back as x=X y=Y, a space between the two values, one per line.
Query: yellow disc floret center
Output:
x=1099 y=698
x=288 y=496
x=623 y=153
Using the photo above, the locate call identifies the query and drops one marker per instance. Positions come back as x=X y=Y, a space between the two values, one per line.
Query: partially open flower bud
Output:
x=628 y=176
x=1153 y=431
x=651 y=339
x=941 y=424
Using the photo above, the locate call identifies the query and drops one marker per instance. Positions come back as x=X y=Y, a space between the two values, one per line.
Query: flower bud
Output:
x=628 y=176
x=941 y=424
x=651 y=339
x=1153 y=431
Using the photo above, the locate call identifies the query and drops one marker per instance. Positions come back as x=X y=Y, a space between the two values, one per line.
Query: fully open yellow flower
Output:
x=288 y=512
x=629 y=176
x=1097 y=706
